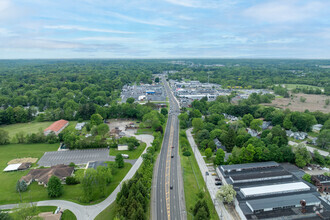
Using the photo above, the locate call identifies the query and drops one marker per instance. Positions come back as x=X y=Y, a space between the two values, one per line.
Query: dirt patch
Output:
x=312 y=103
x=23 y=160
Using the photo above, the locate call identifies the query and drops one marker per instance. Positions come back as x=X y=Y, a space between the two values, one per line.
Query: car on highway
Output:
x=217 y=179
x=207 y=173
x=172 y=156
x=218 y=183
x=213 y=174
x=171 y=187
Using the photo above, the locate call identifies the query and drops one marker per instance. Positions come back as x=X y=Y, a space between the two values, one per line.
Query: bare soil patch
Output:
x=23 y=160
x=312 y=103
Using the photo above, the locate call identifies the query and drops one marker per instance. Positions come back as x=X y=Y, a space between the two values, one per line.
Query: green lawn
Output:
x=35 y=192
x=134 y=154
x=27 y=128
x=68 y=215
x=293 y=86
x=193 y=184
x=144 y=131
x=108 y=213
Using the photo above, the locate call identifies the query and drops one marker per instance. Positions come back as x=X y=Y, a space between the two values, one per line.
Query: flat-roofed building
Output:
x=260 y=176
x=281 y=202
x=274 y=189
x=248 y=166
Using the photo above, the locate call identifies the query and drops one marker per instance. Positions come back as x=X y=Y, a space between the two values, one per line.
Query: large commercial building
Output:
x=269 y=190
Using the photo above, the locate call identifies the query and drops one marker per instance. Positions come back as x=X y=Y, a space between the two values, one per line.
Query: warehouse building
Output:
x=269 y=190
x=283 y=202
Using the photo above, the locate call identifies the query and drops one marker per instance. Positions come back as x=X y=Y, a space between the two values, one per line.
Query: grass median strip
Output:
x=193 y=182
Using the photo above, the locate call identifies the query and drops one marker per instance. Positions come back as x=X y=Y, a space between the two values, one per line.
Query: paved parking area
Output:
x=77 y=157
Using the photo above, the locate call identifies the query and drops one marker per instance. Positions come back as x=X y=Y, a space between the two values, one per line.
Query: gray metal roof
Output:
x=247 y=176
x=249 y=165
x=282 y=201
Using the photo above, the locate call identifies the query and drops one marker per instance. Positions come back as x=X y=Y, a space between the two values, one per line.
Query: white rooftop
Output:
x=274 y=189
x=12 y=167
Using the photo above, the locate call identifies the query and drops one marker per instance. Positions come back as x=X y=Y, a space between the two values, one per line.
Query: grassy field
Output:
x=293 y=86
x=68 y=215
x=108 y=213
x=144 y=131
x=27 y=128
x=193 y=184
x=134 y=154
x=35 y=192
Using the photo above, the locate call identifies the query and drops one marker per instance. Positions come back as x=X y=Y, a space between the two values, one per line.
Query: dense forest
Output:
x=257 y=73
x=68 y=89
x=76 y=89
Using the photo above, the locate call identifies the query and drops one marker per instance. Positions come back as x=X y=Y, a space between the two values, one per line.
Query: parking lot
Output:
x=77 y=157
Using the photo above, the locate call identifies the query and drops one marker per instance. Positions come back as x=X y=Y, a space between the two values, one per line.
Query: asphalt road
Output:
x=168 y=192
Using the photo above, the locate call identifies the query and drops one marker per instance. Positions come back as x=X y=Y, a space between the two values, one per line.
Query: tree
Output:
x=208 y=153
x=302 y=156
x=4 y=137
x=20 y=137
x=219 y=157
x=96 y=119
x=229 y=139
x=197 y=124
x=164 y=111
x=201 y=210
x=54 y=187
x=21 y=186
x=247 y=154
x=25 y=212
x=318 y=158
x=102 y=129
x=226 y=193
x=247 y=119
x=307 y=177
x=323 y=139
x=287 y=124
x=130 y=100
x=4 y=215
x=256 y=124
x=119 y=161
x=157 y=80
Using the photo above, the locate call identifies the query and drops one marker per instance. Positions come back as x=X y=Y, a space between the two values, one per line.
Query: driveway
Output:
x=77 y=156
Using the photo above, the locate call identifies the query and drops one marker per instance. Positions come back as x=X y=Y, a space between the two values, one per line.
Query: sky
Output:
x=32 y=29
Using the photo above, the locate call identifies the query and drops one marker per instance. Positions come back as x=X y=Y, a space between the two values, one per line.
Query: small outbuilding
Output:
x=56 y=127
x=17 y=166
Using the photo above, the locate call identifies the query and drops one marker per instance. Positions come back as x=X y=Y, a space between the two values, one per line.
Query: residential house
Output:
x=219 y=145
x=79 y=126
x=317 y=128
x=42 y=176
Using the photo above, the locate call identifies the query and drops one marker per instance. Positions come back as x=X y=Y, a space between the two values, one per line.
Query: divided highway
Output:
x=168 y=192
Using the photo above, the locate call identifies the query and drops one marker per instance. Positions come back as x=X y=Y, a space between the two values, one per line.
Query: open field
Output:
x=293 y=86
x=134 y=154
x=36 y=192
x=108 y=213
x=312 y=103
x=193 y=184
x=27 y=128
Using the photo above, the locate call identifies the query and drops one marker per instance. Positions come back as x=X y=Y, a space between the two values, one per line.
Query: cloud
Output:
x=80 y=28
x=194 y=3
x=157 y=22
x=281 y=11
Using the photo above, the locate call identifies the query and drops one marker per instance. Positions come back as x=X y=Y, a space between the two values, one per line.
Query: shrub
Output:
x=72 y=164
x=55 y=188
x=70 y=180
x=187 y=153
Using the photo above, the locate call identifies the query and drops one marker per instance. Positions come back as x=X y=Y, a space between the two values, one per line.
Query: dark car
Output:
x=207 y=173
x=172 y=156
x=218 y=183
x=217 y=179
x=171 y=187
